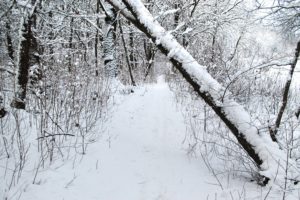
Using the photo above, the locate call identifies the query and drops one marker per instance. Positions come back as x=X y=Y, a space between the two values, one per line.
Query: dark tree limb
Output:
x=284 y=101
x=57 y=134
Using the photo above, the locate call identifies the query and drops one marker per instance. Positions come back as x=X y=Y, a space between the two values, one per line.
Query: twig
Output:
x=50 y=135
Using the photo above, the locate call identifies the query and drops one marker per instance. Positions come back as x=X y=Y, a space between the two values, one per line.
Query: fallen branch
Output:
x=57 y=134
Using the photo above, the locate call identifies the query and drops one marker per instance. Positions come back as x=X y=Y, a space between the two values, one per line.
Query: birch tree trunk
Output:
x=27 y=57
x=109 y=42
x=258 y=145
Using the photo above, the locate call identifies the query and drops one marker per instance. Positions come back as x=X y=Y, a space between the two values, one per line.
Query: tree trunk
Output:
x=274 y=130
x=24 y=66
x=27 y=57
x=9 y=42
x=109 y=42
x=132 y=56
x=149 y=48
x=70 y=45
x=150 y=53
x=127 y=56
x=97 y=38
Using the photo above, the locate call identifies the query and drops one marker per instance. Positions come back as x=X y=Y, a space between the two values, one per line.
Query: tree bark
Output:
x=97 y=38
x=132 y=56
x=9 y=42
x=149 y=48
x=27 y=57
x=109 y=42
x=149 y=53
x=24 y=66
x=70 y=46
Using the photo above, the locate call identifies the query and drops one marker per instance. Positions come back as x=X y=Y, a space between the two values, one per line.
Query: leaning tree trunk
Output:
x=274 y=130
x=259 y=146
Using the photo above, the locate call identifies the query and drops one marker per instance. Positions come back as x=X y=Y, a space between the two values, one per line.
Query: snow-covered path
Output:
x=141 y=157
x=146 y=159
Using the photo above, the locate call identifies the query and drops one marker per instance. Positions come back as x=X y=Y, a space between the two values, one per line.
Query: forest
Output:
x=99 y=98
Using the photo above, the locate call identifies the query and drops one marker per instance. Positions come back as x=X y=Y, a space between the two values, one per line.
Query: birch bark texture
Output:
x=27 y=56
x=109 y=41
x=265 y=153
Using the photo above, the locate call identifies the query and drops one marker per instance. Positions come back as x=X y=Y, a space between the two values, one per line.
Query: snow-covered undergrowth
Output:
x=142 y=155
x=60 y=121
x=208 y=137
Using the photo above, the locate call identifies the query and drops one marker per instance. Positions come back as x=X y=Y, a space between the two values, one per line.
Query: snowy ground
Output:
x=141 y=157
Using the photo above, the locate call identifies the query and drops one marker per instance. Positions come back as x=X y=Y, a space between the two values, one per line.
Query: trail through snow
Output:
x=141 y=157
